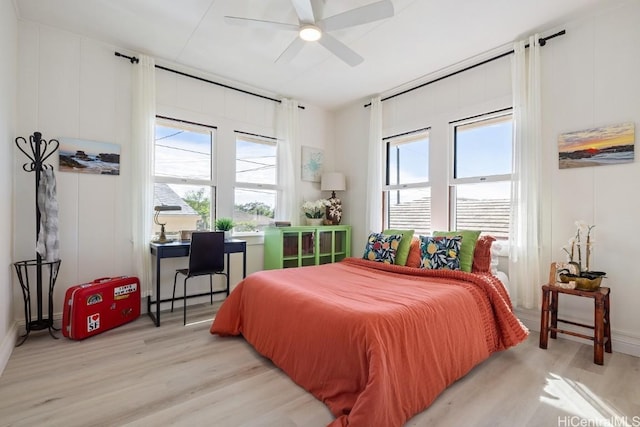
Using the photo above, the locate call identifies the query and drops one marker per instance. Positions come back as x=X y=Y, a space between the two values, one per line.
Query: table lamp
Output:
x=162 y=208
x=333 y=181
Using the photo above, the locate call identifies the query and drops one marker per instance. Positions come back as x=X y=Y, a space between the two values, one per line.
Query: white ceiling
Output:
x=423 y=37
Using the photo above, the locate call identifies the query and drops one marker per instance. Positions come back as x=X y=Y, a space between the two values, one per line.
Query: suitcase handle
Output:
x=106 y=279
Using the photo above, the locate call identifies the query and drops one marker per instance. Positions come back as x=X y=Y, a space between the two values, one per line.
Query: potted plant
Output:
x=314 y=211
x=225 y=224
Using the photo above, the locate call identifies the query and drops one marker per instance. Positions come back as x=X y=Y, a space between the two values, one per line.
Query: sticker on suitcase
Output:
x=93 y=322
x=122 y=292
x=94 y=299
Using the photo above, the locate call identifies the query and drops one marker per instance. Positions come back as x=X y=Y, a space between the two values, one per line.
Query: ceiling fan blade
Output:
x=304 y=11
x=340 y=50
x=358 y=16
x=257 y=23
x=318 y=8
x=292 y=50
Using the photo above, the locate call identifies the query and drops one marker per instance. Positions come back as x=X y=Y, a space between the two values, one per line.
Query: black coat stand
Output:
x=38 y=151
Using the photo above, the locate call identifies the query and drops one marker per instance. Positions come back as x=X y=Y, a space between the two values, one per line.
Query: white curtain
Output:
x=288 y=206
x=524 y=234
x=142 y=135
x=374 y=169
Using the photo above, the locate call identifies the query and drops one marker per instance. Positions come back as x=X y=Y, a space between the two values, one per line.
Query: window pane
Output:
x=484 y=207
x=255 y=161
x=408 y=160
x=194 y=202
x=253 y=209
x=483 y=148
x=410 y=209
x=181 y=153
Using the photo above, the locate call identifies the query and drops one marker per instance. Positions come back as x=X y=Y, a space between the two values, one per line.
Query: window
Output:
x=183 y=175
x=407 y=192
x=256 y=182
x=481 y=186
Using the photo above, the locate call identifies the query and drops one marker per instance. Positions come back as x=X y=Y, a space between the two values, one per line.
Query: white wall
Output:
x=8 y=76
x=72 y=86
x=589 y=78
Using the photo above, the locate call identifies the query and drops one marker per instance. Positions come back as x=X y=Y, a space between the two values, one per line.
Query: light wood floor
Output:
x=140 y=375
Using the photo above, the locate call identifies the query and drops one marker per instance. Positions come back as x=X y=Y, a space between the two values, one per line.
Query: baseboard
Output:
x=622 y=342
x=7 y=346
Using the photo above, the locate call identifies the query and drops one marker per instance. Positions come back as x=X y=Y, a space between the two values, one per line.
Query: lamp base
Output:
x=333 y=212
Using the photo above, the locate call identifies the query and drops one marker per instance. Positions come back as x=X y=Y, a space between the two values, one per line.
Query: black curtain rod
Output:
x=541 y=41
x=256 y=134
x=185 y=121
x=405 y=133
x=135 y=60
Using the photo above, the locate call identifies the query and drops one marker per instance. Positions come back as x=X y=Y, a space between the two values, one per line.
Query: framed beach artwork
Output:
x=312 y=159
x=93 y=157
x=606 y=145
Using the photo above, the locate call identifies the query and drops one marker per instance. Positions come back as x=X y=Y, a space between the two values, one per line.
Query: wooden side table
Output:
x=602 y=328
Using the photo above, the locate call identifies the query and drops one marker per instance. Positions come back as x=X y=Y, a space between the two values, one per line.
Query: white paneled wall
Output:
x=72 y=86
x=8 y=98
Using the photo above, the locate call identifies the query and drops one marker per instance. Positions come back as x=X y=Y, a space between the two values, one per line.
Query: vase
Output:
x=314 y=221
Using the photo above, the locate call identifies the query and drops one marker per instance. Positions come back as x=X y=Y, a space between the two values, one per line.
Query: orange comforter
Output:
x=376 y=343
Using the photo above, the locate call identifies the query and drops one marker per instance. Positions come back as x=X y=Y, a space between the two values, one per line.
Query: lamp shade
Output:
x=333 y=181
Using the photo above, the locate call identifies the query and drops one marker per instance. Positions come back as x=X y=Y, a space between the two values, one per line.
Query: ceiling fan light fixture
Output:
x=310 y=33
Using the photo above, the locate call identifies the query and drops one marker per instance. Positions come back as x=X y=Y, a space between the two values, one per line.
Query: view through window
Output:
x=481 y=187
x=407 y=190
x=183 y=175
x=256 y=182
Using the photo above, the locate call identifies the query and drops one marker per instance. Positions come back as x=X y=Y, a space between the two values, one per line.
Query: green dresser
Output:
x=286 y=247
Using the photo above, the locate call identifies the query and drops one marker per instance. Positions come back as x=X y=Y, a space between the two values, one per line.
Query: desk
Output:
x=181 y=249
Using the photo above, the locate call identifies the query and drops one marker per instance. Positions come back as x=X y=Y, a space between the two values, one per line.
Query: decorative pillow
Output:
x=415 y=257
x=440 y=252
x=482 y=255
x=469 y=239
x=405 y=243
x=382 y=248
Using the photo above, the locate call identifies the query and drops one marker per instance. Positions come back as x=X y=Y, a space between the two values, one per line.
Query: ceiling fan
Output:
x=310 y=28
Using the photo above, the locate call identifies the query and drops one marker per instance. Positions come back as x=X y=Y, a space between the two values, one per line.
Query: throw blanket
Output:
x=376 y=343
x=48 y=245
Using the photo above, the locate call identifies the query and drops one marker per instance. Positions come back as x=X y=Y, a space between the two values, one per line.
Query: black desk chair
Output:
x=206 y=257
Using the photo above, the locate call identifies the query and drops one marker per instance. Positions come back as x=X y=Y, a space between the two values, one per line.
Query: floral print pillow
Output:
x=382 y=247
x=440 y=252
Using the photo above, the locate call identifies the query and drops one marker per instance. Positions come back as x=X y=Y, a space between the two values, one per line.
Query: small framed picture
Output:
x=312 y=159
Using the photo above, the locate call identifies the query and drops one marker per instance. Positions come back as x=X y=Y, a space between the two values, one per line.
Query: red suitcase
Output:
x=95 y=307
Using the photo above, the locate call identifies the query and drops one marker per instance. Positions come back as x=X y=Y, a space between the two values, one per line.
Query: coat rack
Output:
x=38 y=151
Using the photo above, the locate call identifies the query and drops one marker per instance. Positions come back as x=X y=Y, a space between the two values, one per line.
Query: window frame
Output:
x=479 y=179
x=211 y=183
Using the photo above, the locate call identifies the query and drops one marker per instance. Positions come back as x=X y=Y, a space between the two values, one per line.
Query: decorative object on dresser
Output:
x=314 y=211
x=333 y=181
x=38 y=151
x=162 y=238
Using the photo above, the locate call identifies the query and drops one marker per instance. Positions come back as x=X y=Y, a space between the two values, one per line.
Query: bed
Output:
x=376 y=343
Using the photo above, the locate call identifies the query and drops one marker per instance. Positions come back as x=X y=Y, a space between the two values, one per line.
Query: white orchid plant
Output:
x=575 y=244
x=315 y=209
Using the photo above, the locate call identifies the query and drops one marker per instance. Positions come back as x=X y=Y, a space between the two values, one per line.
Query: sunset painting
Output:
x=605 y=145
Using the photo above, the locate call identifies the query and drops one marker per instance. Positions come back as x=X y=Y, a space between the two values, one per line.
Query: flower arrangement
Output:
x=314 y=209
x=575 y=244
